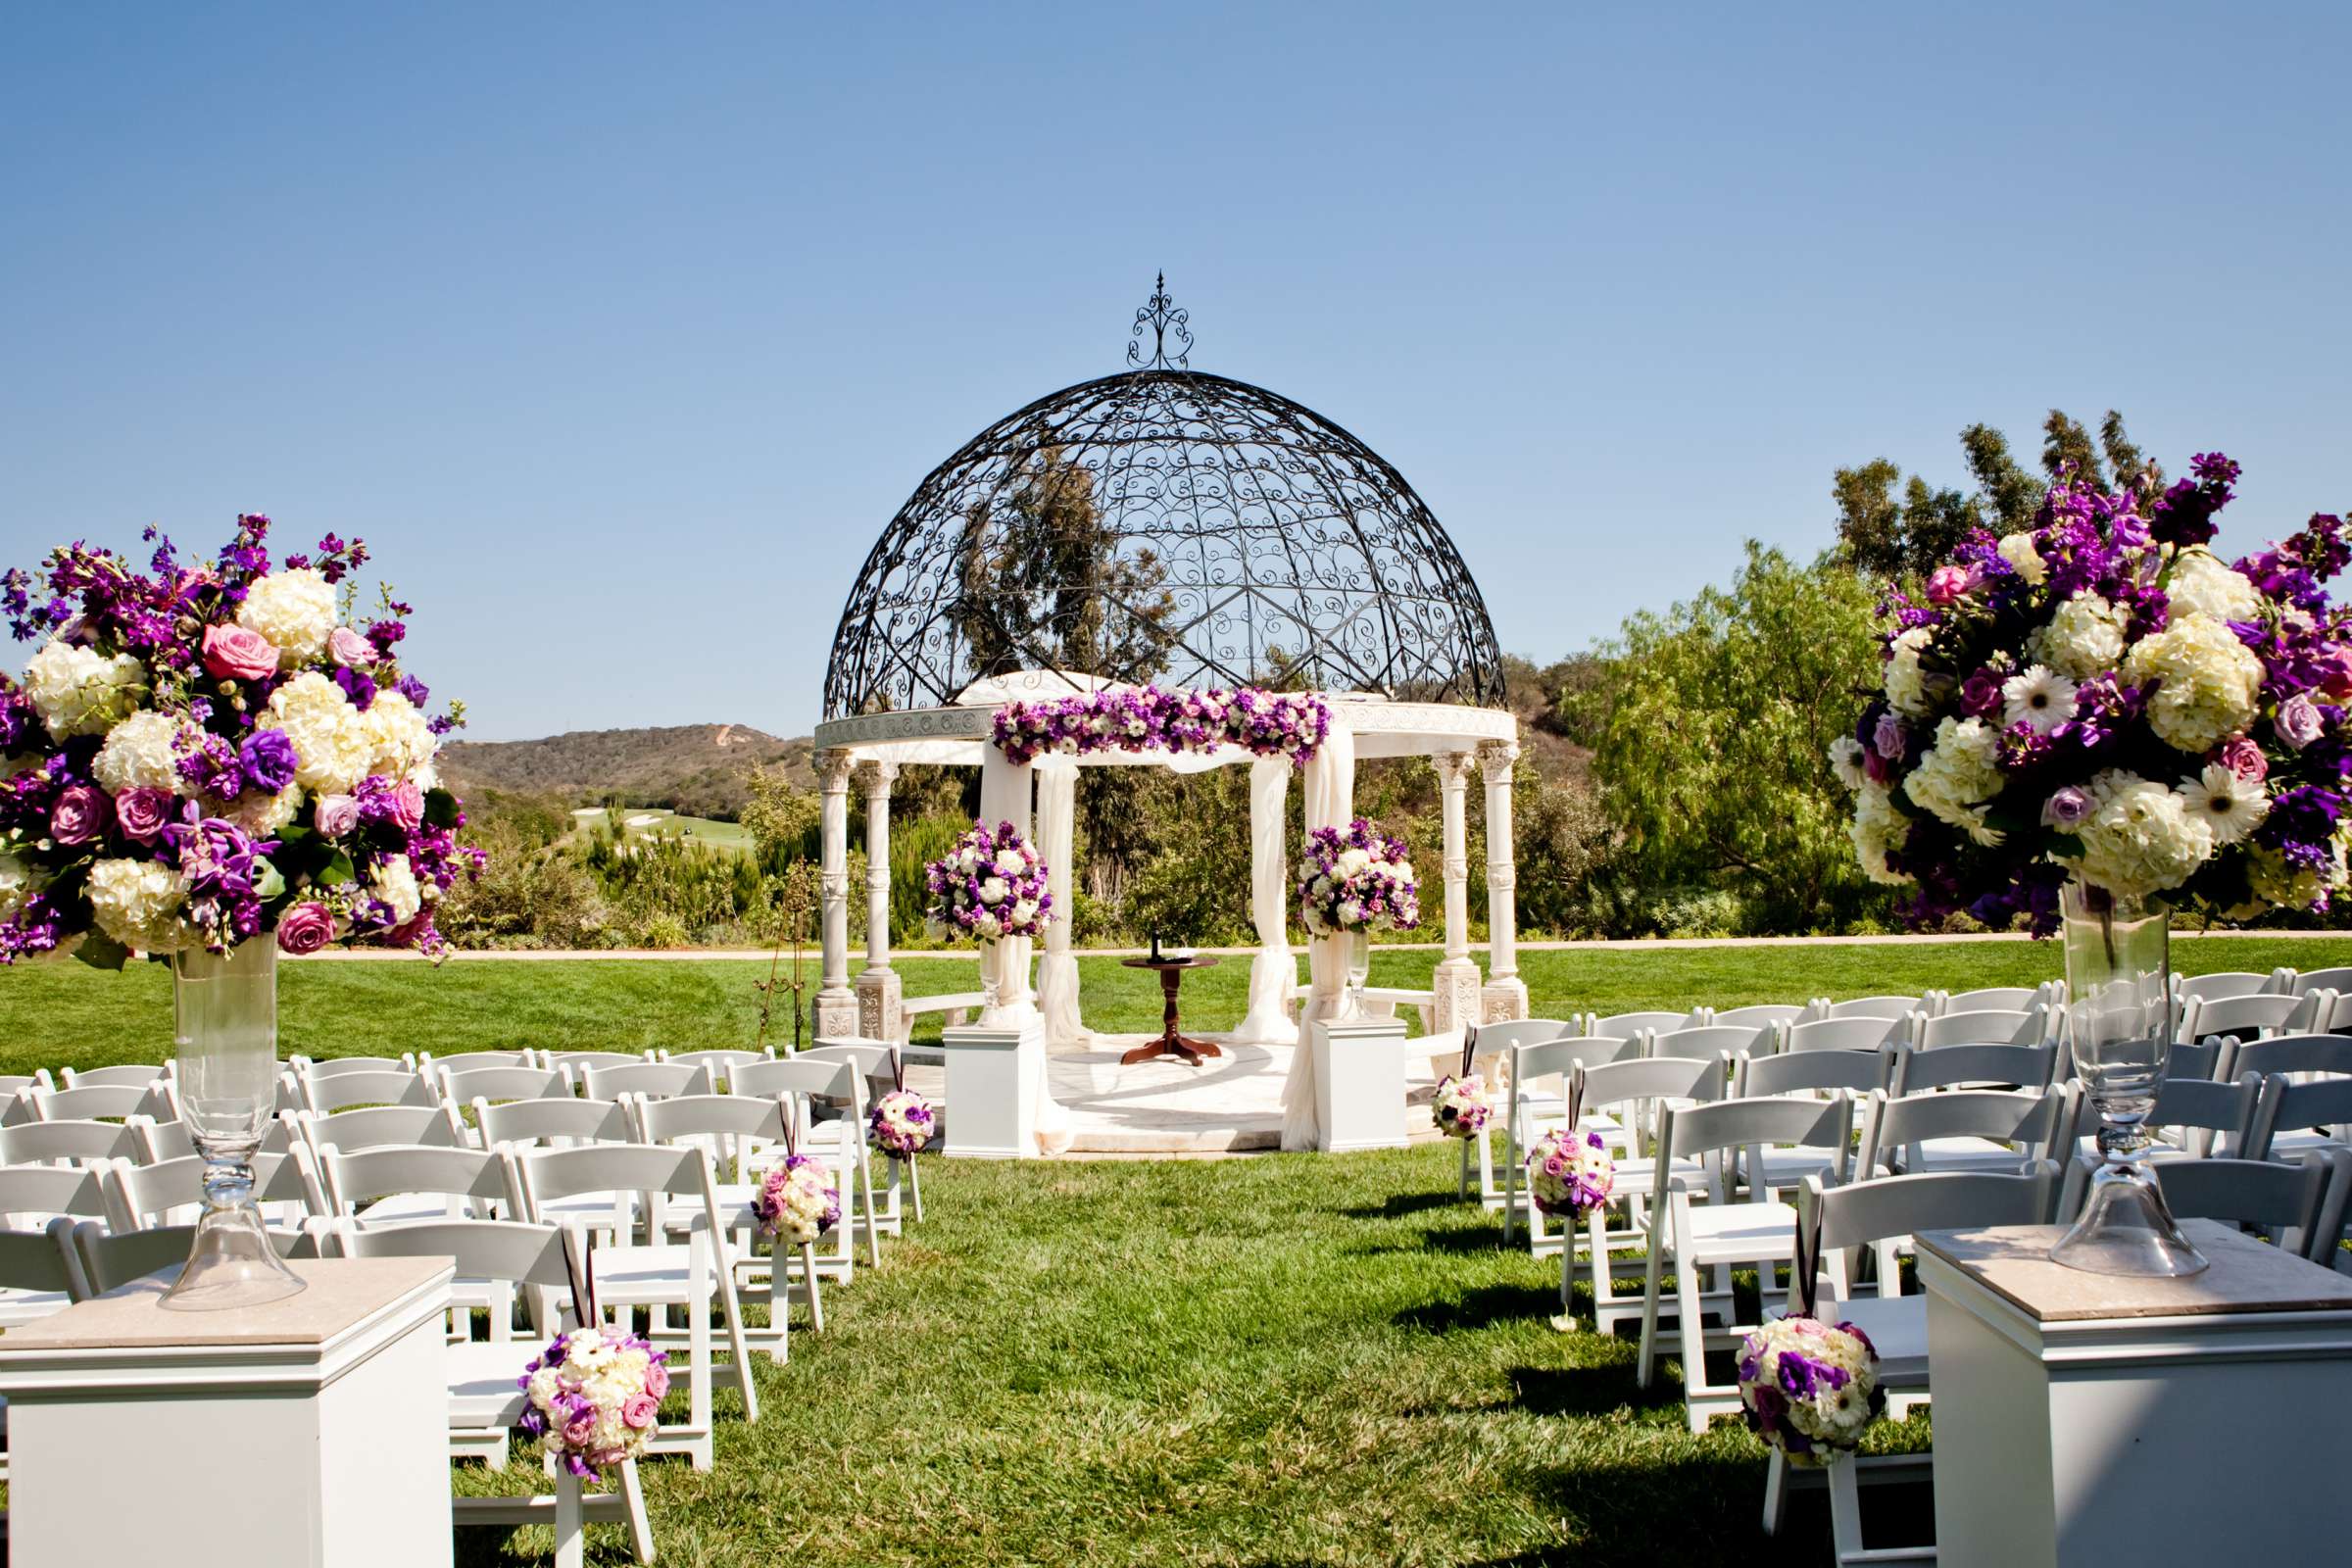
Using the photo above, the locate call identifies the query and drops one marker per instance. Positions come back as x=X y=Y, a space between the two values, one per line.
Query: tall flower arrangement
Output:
x=1146 y=719
x=2101 y=696
x=213 y=750
x=1356 y=878
x=991 y=883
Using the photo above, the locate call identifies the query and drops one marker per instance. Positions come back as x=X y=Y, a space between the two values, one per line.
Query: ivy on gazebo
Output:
x=1145 y=719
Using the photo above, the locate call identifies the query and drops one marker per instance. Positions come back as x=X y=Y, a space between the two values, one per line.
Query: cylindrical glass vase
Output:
x=2119 y=1021
x=224 y=1009
x=1360 y=971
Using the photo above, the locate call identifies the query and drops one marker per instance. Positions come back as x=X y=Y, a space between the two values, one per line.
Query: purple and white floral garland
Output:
x=1146 y=719
x=1356 y=878
x=991 y=883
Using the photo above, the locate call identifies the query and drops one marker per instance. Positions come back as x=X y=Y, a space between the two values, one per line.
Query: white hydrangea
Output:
x=143 y=753
x=1906 y=682
x=294 y=609
x=137 y=904
x=1879 y=827
x=2084 y=637
x=2210 y=682
x=16 y=885
x=2018 y=550
x=2289 y=887
x=263 y=814
x=332 y=742
x=2139 y=838
x=1959 y=776
x=402 y=741
x=2202 y=585
x=80 y=692
x=392 y=881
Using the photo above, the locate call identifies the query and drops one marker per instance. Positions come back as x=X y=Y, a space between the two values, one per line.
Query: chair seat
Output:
x=648 y=1276
x=482 y=1374
x=2302 y=1140
x=1638 y=1178
x=1965 y=1154
x=1896 y=1326
x=1736 y=1233
x=19 y=1307
x=1789 y=1167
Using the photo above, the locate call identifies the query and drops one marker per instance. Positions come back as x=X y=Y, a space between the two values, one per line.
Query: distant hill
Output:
x=695 y=770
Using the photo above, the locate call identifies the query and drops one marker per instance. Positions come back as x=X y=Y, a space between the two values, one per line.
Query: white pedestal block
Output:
x=1359 y=1082
x=308 y=1432
x=994 y=1072
x=2088 y=1419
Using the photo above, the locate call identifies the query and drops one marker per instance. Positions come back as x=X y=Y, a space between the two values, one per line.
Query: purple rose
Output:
x=2299 y=722
x=141 y=813
x=1981 y=695
x=2066 y=810
x=81 y=813
x=338 y=815
x=1889 y=739
x=267 y=758
x=305 y=929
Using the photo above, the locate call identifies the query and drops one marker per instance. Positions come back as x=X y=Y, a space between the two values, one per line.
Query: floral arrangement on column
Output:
x=1808 y=1388
x=1570 y=1174
x=2102 y=697
x=1356 y=878
x=594 y=1399
x=797 y=1202
x=213 y=749
x=991 y=883
x=1145 y=719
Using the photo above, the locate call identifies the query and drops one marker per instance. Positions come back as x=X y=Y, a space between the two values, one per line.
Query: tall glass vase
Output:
x=2119 y=1020
x=224 y=1007
x=1359 y=972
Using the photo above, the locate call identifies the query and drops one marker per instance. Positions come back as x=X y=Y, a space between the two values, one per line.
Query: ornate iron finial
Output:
x=1165 y=320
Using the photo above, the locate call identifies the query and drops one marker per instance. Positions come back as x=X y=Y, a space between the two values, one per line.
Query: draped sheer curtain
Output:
x=1056 y=835
x=1330 y=802
x=1272 y=971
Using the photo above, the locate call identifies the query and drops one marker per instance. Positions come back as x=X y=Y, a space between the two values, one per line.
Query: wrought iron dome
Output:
x=1163 y=524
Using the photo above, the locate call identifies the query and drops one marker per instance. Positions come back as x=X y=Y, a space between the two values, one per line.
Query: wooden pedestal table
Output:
x=1172 y=1041
x=2094 y=1419
x=309 y=1433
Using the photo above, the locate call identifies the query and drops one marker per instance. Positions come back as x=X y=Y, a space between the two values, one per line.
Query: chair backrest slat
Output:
x=497 y=1084
x=1863 y=1032
x=652 y=1079
x=2028 y=1026
x=1918 y=1067
x=2290 y=1054
x=553 y=1122
x=1792 y=1072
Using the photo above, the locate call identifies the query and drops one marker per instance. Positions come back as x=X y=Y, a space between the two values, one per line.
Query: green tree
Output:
x=1885 y=536
x=1710 y=732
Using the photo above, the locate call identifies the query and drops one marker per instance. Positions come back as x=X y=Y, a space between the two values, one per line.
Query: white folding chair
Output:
x=1723 y=1235
x=1492 y=1051
x=171 y=1192
x=1535 y=1099
x=1629 y=1092
x=813 y=1082
x=2293 y=1118
x=107 y=1260
x=470 y=1086
x=2247 y=1016
x=653 y=1080
x=885 y=1071
x=33 y=1198
x=2000 y=1131
x=433 y=1126
x=745 y=1135
x=1990 y=1026
x=1914 y=1068
x=86 y=1144
x=660 y=1275
x=483 y=1376
x=323 y=1094
x=558 y=1123
x=36 y=1266
x=158 y=1099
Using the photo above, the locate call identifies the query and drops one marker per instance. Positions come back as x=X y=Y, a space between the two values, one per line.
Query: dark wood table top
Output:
x=1190 y=960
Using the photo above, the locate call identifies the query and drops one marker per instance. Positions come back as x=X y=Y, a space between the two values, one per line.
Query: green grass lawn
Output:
x=1278 y=1360
x=68 y=1015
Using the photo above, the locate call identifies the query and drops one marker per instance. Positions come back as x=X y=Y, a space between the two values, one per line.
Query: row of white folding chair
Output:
x=2258 y=1014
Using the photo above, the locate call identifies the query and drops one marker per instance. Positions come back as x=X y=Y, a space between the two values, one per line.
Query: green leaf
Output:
x=336 y=871
x=102 y=952
x=440 y=809
x=2066 y=845
x=268 y=884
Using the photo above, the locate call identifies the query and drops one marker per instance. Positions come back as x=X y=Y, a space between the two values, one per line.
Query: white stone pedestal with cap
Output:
x=1360 y=1083
x=308 y=1432
x=995 y=1072
x=2093 y=1419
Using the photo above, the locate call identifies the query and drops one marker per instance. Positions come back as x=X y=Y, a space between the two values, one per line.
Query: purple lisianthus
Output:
x=268 y=759
x=413 y=689
x=2301 y=824
x=81 y=813
x=358 y=687
x=1981 y=695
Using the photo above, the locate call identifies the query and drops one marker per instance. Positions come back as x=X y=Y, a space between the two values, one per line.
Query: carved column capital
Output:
x=833 y=769
x=1453 y=768
x=878 y=777
x=1494 y=760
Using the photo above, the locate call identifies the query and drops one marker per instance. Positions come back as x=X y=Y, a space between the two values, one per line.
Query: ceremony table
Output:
x=2091 y=1418
x=1172 y=1041
x=306 y=1433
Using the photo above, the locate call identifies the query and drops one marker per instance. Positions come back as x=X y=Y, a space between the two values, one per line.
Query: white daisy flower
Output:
x=2041 y=699
x=2231 y=805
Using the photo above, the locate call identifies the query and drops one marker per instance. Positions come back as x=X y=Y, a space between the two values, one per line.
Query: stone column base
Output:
x=1454 y=995
x=1505 y=1000
x=836 y=1014
x=879 y=992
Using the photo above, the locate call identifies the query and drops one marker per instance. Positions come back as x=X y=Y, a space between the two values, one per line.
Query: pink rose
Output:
x=657 y=1381
x=81 y=813
x=408 y=804
x=2241 y=756
x=141 y=813
x=638 y=1411
x=349 y=649
x=1949 y=584
x=234 y=653
x=338 y=815
x=305 y=929
x=2299 y=720
x=580 y=1431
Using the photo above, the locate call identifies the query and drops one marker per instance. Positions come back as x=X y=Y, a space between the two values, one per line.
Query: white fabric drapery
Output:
x=1272 y=971
x=1057 y=970
x=1330 y=802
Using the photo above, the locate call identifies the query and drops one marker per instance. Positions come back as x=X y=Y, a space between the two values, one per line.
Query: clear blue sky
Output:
x=622 y=331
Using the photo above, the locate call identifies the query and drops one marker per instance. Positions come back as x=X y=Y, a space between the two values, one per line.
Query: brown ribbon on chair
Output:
x=1469 y=1046
x=1576 y=1097
x=580 y=1261
x=897 y=1069
x=1805 y=1267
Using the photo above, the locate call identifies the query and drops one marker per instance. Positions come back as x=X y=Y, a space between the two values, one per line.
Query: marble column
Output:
x=879 y=987
x=1505 y=994
x=1456 y=985
x=836 y=1002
